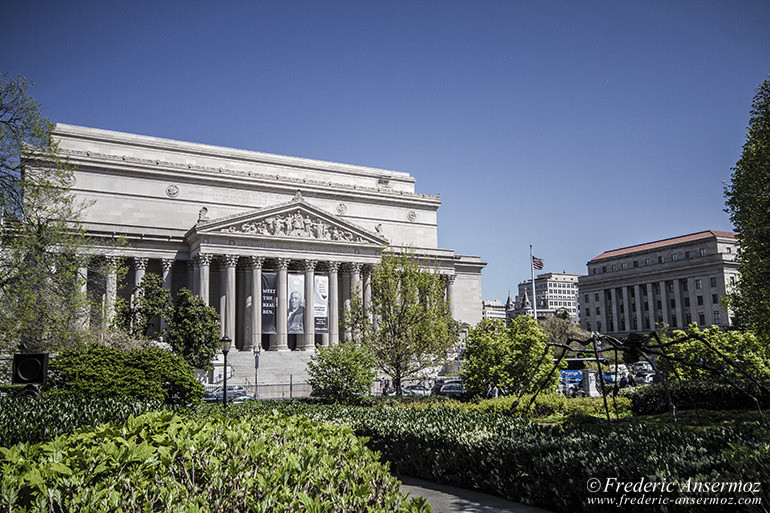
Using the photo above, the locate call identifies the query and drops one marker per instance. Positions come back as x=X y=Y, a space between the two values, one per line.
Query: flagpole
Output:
x=532 y=270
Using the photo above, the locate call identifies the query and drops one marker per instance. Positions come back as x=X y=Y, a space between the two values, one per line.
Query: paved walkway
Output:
x=448 y=499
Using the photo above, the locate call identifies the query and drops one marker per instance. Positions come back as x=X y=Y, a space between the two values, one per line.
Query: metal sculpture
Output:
x=647 y=347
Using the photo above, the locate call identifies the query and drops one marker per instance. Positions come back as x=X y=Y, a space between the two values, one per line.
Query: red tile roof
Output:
x=662 y=244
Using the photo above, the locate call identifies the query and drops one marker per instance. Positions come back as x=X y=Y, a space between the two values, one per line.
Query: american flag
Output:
x=537 y=263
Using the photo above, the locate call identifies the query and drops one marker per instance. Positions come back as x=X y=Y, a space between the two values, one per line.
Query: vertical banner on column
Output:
x=269 y=282
x=296 y=314
x=321 y=304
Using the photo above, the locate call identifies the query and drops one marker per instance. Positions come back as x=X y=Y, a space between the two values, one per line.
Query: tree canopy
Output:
x=409 y=328
x=508 y=355
x=341 y=372
x=748 y=203
x=193 y=330
x=43 y=301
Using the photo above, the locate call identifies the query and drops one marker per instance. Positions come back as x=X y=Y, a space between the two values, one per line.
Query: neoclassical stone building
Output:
x=276 y=244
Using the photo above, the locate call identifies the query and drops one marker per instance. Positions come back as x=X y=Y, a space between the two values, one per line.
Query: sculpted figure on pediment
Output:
x=296 y=225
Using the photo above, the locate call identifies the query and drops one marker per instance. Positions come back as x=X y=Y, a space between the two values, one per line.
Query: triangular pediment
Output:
x=296 y=219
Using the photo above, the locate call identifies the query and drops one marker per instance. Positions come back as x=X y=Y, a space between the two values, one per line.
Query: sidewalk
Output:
x=448 y=499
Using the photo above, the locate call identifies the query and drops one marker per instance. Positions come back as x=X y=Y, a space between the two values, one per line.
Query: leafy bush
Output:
x=547 y=466
x=341 y=372
x=160 y=462
x=194 y=330
x=148 y=373
x=687 y=395
x=550 y=404
x=40 y=419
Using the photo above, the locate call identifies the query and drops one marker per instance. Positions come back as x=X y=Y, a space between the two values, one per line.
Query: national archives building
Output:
x=277 y=245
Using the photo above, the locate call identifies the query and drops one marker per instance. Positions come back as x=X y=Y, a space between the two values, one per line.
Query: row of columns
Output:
x=634 y=316
x=199 y=280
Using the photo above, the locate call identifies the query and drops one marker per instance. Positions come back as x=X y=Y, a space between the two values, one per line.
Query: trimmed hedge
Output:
x=547 y=466
x=161 y=462
x=147 y=373
x=688 y=395
x=40 y=419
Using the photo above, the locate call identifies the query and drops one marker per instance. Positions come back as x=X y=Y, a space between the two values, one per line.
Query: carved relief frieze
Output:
x=296 y=224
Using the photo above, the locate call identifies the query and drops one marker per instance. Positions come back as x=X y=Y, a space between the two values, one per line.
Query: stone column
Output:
x=693 y=295
x=355 y=280
x=190 y=266
x=111 y=290
x=664 y=302
x=334 y=304
x=282 y=313
x=615 y=317
x=309 y=337
x=230 y=262
x=367 y=280
x=681 y=319
x=140 y=266
x=167 y=265
x=639 y=309
x=255 y=264
x=627 y=313
x=204 y=261
x=450 y=293
x=651 y=308
x=82 y=284
x=243 y=325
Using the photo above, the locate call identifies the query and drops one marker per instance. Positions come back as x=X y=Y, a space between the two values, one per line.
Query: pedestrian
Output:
x=492 y=391
x=623 y=381
x=631 y=379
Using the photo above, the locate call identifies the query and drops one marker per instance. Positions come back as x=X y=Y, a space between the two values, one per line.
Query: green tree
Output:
x=194 y=330
x=43 y=304
x=558 y=330
x=748 y=203
x=409 y=327
x=150 y=308
x=341 y=372
x=508 y=355
x=743 y=348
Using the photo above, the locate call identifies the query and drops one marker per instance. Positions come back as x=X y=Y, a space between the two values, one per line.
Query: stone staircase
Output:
x=275 y=367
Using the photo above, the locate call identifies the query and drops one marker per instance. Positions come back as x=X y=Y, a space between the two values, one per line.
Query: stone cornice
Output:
x=99 y=162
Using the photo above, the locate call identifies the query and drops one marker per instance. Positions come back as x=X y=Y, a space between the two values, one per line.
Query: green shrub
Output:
x=148 y=373
x=40 y=419
x=341 y=372
x=687 y=395
x=546 y=405
x=544 y=465
x=161 y=462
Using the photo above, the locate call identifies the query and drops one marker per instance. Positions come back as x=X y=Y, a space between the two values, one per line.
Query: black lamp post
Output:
x=225 y=341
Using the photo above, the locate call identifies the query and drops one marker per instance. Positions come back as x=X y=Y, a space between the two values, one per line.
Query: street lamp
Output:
x=225 y=341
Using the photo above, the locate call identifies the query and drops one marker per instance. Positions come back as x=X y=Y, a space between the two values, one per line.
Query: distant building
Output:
x=674 y=282
x=492 y=310
x=555 y=292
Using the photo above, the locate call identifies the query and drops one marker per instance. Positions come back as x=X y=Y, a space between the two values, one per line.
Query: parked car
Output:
x=454 y=389
x=441 y=382
x=215 y=395
x=415 y=390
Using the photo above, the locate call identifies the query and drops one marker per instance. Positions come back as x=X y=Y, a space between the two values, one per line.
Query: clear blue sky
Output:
x=577 y=127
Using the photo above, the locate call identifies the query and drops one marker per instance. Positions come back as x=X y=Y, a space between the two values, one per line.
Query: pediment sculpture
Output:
x=295 y=224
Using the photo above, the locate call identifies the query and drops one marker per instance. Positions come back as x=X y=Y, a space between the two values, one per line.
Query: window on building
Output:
x=686 y=255
x=673 y=321
x=588 y=312
x=687 y=319
x=593 y=271
x=685 y=285
x=673 y=302
x=660 y=319
x=647 y=261
x=614 y=267
x=714 y=298
x=597 y=311
x=621 y=308
x=599 y=326
x=671 y=286
x=604 y=268
x=624 y=265
x=713 y=282
x=636 y=263
x=717 y=317
x=646 y=306
x=702 y=252
x=700 y=300
x=674 y=257
x=698 y=284
x=687 y=302
x=728 y=249
x=646 y=323
x=701 y=319
x=587 y=298
x=588 y=326
x=596 y=296
x=657 y=288
x=661 y=260
x=658 y=304
x=732 y=280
